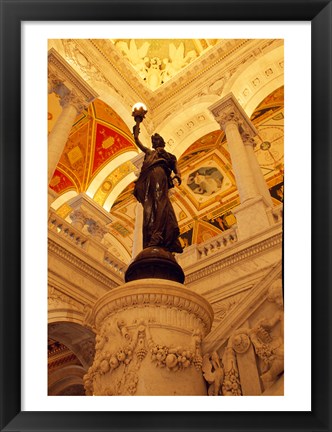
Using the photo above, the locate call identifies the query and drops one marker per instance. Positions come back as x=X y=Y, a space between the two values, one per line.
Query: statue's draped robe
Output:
x=160 y=227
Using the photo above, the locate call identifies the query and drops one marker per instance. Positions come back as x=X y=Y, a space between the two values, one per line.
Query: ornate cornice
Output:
x=64 y=73
x=80 y=264
x=58 y=299
x=235 y=258
x=228 y=110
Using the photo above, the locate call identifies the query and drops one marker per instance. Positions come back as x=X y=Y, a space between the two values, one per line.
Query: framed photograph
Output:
x=34 y=399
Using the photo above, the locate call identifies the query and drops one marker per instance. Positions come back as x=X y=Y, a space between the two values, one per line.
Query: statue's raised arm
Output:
x=136 y=131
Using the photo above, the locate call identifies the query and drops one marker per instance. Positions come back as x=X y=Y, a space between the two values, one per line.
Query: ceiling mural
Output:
x=97 y=136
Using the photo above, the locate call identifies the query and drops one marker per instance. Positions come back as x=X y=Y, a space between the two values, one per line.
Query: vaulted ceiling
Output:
x=178 y=79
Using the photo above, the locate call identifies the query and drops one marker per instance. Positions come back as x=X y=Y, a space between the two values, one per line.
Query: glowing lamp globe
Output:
x=138 y=111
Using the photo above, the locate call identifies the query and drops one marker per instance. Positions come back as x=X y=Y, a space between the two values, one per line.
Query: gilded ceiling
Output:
x=204 y=201
x=158 y=60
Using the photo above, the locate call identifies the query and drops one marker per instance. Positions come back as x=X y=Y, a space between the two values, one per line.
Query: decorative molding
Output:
x=123 y=365
x=64 y=72
x=237 y=257
x=57 y=299
x=228 y=110
x=80 y=264
x=190 y=310
x=217 y=337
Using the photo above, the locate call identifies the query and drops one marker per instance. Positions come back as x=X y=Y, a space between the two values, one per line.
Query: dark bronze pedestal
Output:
x=154 y=262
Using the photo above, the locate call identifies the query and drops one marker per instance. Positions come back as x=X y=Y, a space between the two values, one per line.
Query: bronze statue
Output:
x=160 y=227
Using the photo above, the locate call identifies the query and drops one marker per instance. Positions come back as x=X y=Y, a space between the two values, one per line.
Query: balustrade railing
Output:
x=217 y=243
x=202 y=250
x=66 y=230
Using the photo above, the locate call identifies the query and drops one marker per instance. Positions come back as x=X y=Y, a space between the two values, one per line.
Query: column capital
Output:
x=65 y=81
x=72 y=98
x=95 y=229
x=90 y=208
x=228 y=110
x=78 y=218
x=248 y=139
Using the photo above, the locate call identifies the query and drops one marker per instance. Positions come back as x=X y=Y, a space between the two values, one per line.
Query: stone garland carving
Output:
x=231 y=385
x=222 y=375
x=131 y=354
x=177 y=358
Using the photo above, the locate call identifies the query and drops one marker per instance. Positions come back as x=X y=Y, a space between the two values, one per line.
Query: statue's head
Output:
x=157 y=141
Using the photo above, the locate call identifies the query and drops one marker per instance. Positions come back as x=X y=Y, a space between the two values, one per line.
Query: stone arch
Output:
x=79 y=339
x=189 y=123
x=256 y=79
x=66 y=381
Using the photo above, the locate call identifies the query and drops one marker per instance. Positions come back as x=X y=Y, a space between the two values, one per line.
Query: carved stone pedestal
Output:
x=148 y=342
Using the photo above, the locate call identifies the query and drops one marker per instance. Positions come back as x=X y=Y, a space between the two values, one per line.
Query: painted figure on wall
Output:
x=160 y=227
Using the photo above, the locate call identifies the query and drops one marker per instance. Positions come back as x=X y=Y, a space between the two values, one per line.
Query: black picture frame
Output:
x=12 y=13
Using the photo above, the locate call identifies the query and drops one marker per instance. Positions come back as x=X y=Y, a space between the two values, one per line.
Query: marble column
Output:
x=251 y=215
x=250 y=144
x=72 y=105
x=148 y=342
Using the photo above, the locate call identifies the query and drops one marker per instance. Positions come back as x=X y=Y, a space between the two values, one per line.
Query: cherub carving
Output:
x=213 y=372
